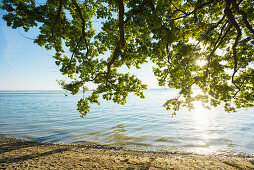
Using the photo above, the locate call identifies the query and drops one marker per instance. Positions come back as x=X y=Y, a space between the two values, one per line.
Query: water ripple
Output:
x=49 y=116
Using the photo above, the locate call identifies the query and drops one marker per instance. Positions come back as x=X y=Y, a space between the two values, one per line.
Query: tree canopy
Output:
x=194 y=43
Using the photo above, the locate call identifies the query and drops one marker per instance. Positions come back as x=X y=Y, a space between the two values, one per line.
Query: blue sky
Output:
x=23 y=64
x=27 y=66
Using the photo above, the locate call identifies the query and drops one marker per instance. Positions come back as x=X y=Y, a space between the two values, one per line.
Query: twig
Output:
x=212 y=28
x=187 y=14
x=25 y=36
x=217 y=44
x=179 y=9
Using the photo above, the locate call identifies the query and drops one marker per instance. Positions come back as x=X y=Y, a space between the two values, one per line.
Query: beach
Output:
x=21 y=154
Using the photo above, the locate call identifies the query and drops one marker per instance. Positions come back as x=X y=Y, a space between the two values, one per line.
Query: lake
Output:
x=140 y=124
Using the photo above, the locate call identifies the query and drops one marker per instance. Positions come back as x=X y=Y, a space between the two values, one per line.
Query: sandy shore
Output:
x=20 y=154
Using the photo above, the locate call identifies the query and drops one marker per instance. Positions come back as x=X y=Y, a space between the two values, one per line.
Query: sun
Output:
x=201 y=62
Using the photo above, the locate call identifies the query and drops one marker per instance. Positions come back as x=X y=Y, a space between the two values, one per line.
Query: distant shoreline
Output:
x=22 y=154
x=159 y=88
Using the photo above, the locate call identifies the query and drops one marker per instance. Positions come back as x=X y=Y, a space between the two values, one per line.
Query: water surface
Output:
x=50 y=116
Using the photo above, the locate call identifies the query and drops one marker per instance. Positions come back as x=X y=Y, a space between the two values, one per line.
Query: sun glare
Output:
x=201 y=63
x=200 y=116
x=201 y=121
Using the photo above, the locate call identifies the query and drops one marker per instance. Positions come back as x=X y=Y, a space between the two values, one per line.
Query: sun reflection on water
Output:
x=201 y=120
x=200 y=117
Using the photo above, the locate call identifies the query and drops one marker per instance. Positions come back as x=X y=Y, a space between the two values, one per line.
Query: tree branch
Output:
x=26 y=36
x=121 y=42
x=215 y=26
x=235 y=57
x=114 y=57
x=168 y=60
x=187 y=14
x=245 y=78
x=231 y=17
x=217 y=44
x=56 y=19
x=151 y=5
x=177 y=9
x=83 y=31
x=212 y=28
x=140 y=9
x=244 y=15
x=167 y=49
x=121 y=22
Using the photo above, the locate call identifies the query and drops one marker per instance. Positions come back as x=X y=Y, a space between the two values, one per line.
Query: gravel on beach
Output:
x=21 y=154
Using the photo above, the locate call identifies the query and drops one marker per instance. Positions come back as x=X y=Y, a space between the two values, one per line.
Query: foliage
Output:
x=203 y=43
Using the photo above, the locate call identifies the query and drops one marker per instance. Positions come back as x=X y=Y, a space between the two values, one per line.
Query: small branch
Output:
x=212 y=28
x=244 y=15
x=25 y=36
x=150 y=2
x=83 y=31
x=182 y=90
x=240 y=87
x=133 y=12
x=187 y=14
x=95 y=77
x=246 y=77
x=114 y=57
x=177 y=9
x=218 y=39
x=56 y=19
x=231 y=17
x=187 y=63
x=235 y=57
x=121 y=22
x=121 y=42
x=167 y=49
x=140 y=9
x=217 y=44
x=168 y=60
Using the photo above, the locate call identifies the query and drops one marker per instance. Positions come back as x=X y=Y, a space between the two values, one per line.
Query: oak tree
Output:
x=194 y=43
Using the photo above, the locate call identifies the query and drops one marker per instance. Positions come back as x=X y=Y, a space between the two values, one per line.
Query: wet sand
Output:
x=20 y=154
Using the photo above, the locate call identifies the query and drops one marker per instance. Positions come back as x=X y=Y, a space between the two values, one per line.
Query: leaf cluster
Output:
x=206 y=44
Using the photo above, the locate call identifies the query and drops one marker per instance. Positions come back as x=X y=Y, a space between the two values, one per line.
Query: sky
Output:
x=27 y=66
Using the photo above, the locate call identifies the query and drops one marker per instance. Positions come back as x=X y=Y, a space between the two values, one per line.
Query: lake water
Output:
x=141 y=124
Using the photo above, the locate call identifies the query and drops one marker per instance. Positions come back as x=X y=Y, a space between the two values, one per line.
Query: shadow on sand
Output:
x=27 y=157
x=16 y=145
